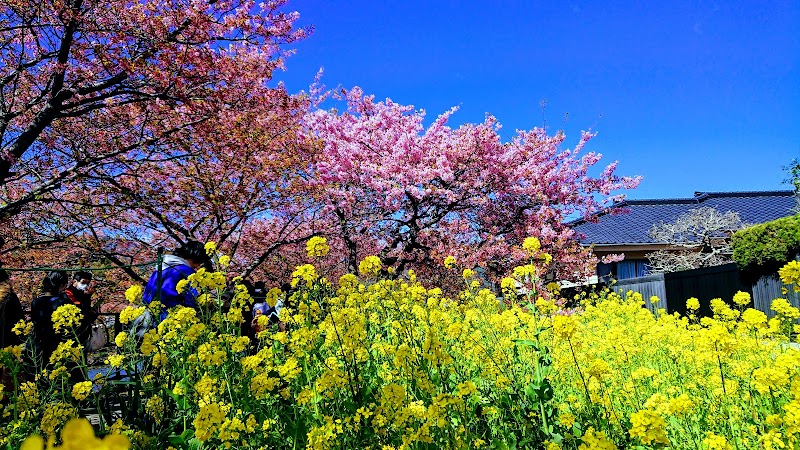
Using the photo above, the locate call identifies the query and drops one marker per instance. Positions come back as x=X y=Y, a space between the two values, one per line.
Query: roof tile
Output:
x=633 y=226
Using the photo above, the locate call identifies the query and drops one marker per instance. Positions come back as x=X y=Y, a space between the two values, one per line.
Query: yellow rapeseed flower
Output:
x=66 y=317
x=306 y=272
x=526 y=271
x=273 y=295
x=129 y=313
x=121 y=338
x=649 y=427
x=716 y=442
x=546 y=258
x=531 y=245
x=55 y=415
x=15 y=351
x=370 y=266
x=317 y=247
x=155 y=407
x=67 y=351
x=78 y=434
x=790 y=273
x=181 y=286
x=134 y=293
x=508 y=286
x=564 y=327
x=754 y=318
x=208 y=420
x=23 y=328
x=81 y=390
x=596 y=440
x=741 y=298
x=784 y=308
x=115 y=361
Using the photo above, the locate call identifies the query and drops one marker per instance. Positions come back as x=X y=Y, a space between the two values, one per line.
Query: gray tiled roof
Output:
x=629 y=222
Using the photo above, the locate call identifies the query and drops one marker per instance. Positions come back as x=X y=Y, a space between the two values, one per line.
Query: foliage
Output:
x=769 y=244
x=793 y=170
x=698 y=238
x=389 y=363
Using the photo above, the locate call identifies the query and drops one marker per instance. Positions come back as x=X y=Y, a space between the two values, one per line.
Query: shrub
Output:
x=768 y=245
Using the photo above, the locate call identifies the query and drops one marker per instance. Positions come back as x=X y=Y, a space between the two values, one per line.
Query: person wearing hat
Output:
x=183 y=262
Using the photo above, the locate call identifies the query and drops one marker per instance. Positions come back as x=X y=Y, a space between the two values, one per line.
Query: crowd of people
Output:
x=58 y=288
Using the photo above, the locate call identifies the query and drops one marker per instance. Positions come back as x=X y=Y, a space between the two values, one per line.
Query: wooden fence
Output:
x=771 y=287
x=705 y=284
x=651 y=285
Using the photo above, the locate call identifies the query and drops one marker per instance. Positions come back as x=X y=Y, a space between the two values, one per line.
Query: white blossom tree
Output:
x=699 y=238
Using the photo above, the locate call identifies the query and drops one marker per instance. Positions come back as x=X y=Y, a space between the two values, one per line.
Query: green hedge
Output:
x=769 y=244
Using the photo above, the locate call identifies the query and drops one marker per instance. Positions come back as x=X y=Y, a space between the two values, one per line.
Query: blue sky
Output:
x=692 y=95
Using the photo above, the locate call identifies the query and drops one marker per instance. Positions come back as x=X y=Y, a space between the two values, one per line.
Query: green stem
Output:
x=585 y=386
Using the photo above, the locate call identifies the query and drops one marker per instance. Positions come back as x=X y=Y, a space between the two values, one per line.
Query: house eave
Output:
x=627 y=247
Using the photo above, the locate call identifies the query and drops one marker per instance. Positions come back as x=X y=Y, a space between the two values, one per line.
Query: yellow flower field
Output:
x=395 y=364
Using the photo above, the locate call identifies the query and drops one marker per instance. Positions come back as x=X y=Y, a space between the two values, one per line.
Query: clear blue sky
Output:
x=692 y=95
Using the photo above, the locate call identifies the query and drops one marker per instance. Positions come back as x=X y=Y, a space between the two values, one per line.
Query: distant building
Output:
x=625 y=227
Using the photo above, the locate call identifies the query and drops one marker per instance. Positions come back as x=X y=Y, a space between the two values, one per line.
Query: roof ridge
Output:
x=661 y=201
x=703 y=195
x=776 y=193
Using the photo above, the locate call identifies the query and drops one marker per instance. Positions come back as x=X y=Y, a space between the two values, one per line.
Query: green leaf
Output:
x=527 y=342
x=499 y=445
x=195 y=444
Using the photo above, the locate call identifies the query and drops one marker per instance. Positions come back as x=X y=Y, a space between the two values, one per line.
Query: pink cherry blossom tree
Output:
x=130 y=124
x=235 y=187
x=414 y=195
x=86 y=86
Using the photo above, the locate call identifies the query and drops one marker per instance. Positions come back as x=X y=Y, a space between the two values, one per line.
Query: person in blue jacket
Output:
x=183 y=262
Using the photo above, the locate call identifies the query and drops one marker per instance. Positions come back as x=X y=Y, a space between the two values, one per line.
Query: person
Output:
x=245 y=327
x=10 y=312
x=80 y=294
x=183 y=262
x=52 y=297
x=261 y=307
x=10 y=309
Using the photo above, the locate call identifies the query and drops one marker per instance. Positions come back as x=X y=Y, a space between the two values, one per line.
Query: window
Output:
x=629 y=268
